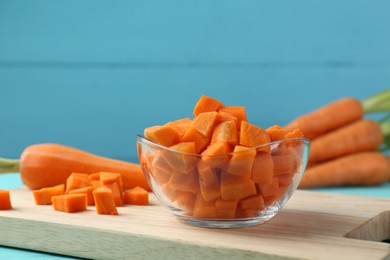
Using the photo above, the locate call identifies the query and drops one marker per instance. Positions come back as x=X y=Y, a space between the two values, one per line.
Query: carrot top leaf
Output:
x=377 y=103
x=8 y=165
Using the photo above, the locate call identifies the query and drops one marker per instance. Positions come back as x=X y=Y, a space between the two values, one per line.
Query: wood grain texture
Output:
x=312 y=226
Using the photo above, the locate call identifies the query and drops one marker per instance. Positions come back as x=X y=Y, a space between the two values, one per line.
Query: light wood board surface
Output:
x=311 y=226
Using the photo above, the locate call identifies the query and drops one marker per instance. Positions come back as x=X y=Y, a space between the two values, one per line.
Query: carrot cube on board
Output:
x=136 y=196
x=5 y=200
x=104 y=201
x=114 y=182
x=252 y=136
x=206 y=104
x=87 y=191
x=76 y=181
x=263 y=168
x=241 y=162
x=165 y=135
x=70 y=203
x=225 y=132
x=43 y=196
x=193 y=135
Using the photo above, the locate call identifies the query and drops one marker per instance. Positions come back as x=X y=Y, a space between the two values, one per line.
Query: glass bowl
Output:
x=233 y=190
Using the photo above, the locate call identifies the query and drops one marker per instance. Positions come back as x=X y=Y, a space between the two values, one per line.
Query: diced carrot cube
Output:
x=237 y=111
x=87 y=191
x=283 y=164
x=253 y=202
x=206 y=104
x=193 y=135
x=207 y=176
x=76 y=181
x=226 y=208
x=165 y=135
x=104 y=201
x=210 y=192
x=224 y=116
x=225 y=132
x=136 y=196
x=204 y=209
x=296 y=133
x=184 y=159
x=70 y=203
x=185 y=200
x=114 y=182
x=43 y=196
x=236 y=188
x=263 y=168
x=184 y=182
x=205 y=122
x=221 y=160
x=252 y=136
x=270 y=189
x=241 y=162
x=275 y=133
x=180 y=125
x=5 y=200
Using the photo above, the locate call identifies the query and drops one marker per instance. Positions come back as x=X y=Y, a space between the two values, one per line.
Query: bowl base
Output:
x=227 y=223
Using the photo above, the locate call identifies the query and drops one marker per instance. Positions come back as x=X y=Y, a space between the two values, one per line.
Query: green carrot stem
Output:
x=9 y=165
x=377 y=103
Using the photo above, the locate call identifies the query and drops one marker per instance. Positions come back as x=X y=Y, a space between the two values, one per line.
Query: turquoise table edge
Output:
x=13 y=181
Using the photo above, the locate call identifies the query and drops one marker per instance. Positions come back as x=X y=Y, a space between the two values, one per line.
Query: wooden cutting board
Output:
x=311 y=226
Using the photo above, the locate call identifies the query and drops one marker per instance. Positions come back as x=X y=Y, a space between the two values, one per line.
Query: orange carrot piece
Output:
x=275 y=133
x=327 y=118
x=204 y=209
x=5 y=200
x=205 y=123
x=185 y=200
x=87 y=191
x=210 y=192
x=225 y=132
x=285 y=179
x=241 y=162
x=252 y=202
x=165 y=135
x=184 y=159
x=296 y=133
x=207 y=176
x=70 y=203
x=184 y=182
x=193 y=135
x=366 y=168
x=94 y=176
x=95 y=183
x=283 y=164
x=237 y=111
x=136 y=196
x=161 y=176
x=263 y=168
x=236 y=188
x=43 y=196
x=215 y=155
x=270 y=189
x=252 y=136
x=180 y=125
x=206 y=104
x=104 y=201
x=226 y=209
x=224 y=116
x=113 y=181
x=360 y=136
x=76 y=181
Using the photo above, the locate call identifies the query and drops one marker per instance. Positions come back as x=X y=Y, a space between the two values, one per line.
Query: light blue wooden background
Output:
x=93 y=74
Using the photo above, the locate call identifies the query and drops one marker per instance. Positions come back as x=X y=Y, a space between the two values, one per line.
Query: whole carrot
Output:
x=359 y=136
x=366 y=168
x=339 y=113
x=46 y=165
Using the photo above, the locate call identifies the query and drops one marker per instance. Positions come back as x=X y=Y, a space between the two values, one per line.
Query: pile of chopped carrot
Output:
x=237 y=174
x=347 y=147
x=103 y=190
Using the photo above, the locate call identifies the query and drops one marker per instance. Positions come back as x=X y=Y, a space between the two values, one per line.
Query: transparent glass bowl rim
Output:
x=300 y=139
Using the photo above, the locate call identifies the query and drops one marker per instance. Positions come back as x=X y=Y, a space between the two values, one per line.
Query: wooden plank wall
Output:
x=93 y=74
